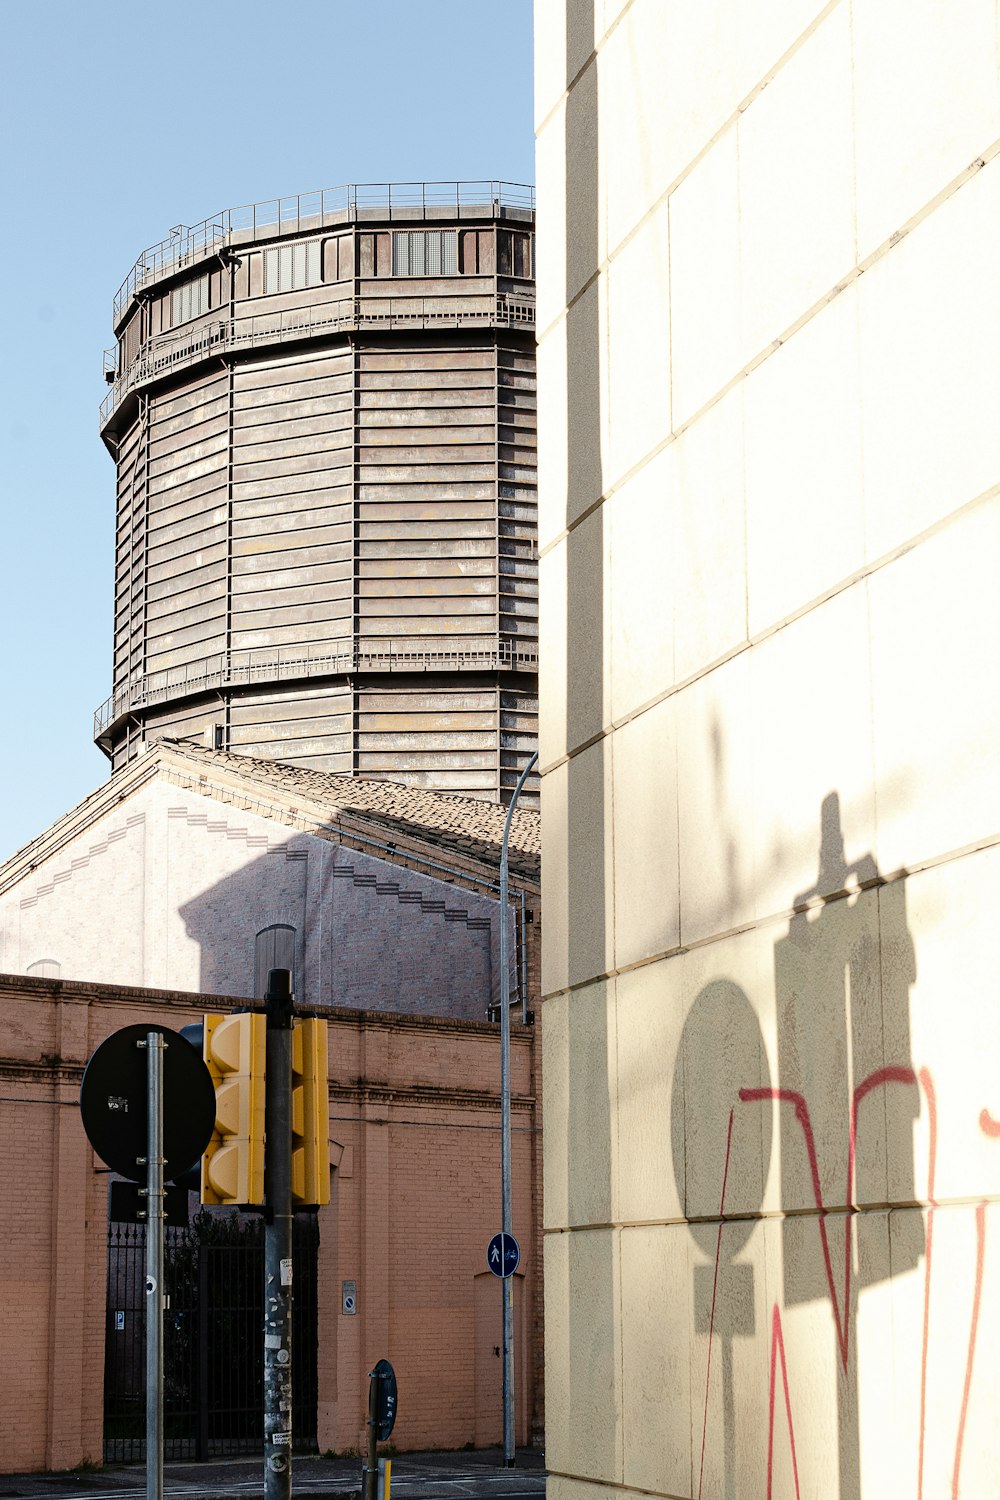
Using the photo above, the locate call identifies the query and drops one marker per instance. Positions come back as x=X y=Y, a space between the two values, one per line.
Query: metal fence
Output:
x=314 y=210
x=213 y=1332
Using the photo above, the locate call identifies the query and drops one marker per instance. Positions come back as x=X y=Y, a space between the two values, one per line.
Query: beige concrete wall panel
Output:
x=656 y=1358
x=434 y=449
x=292 y=541
x=809 y=743
x=647 y=899
x=832 y=1007
x=550 y=243
x=708 y=574
x=720 y=1146
x=285 y=747
x=428 y=742
x=805 y=520
x=580 y=883
x=580 y=1105
x=929 y=691
x=574 y=713
x=371 y=475
x=650 y=1015
x=930 y=383
x=939 y=951
x=927 y=103
x=705 y=313
x=715 y=801
x=583 y=1376
x=199 y=397
x=796 y=171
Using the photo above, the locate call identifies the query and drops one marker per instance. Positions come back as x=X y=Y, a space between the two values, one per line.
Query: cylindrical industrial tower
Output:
x=322 y=411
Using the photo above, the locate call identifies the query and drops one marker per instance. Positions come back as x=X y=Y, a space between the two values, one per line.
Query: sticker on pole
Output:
x=503 y=1254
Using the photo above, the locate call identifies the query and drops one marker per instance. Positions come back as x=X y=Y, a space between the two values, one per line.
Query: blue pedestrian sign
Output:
x=503 y=1255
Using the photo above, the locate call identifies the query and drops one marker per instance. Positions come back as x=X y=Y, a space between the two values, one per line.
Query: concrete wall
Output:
x=171 y=888
x=769 y=525
x=415 y=1150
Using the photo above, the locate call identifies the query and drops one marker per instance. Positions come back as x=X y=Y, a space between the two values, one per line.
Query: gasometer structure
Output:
x=322 y=415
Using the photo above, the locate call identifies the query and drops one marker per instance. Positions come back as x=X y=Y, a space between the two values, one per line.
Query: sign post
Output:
x=148 y=1107
x=278 y=1240
x=155 y=1048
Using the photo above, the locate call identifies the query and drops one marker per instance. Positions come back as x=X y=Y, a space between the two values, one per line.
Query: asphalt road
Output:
x=415 y=1476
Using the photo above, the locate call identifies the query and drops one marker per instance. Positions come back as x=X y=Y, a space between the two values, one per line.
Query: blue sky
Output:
x=116 y=122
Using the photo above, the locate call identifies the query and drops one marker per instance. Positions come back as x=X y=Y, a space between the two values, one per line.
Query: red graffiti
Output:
x=715 y=1287
x=882 y=1076
x=790 y=1096
x=778 y=1347
x=927 y=1084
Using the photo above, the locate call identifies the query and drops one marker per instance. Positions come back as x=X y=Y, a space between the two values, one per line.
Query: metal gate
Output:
x=213 y=1337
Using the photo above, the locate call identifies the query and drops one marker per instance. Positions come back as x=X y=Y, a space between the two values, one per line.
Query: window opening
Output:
x=188 y=301
x=425 y=252
x=275 y=949
x=289 y=268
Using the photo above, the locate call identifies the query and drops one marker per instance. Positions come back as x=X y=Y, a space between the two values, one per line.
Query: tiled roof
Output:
x=464 y=824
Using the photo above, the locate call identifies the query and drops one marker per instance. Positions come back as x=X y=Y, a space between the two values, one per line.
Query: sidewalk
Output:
x=477 y=1475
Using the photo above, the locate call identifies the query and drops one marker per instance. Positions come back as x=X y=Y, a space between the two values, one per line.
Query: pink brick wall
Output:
x=415 y=1126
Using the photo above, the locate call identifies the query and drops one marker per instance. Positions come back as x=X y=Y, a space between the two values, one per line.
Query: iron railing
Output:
x=164 y=353
x=236 y=668
x=213 y=1353
x=303 y=211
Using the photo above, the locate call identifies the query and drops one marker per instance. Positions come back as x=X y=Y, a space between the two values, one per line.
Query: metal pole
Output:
x=154 y=1045
x=371 y=1463
x=507 y=1282
x=278 y=1239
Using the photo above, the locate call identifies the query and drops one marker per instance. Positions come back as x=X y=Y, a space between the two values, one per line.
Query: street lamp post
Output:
x=507 y=1282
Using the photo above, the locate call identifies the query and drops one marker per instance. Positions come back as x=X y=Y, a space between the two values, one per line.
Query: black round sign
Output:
x=114 y=1102
x=385 y=1398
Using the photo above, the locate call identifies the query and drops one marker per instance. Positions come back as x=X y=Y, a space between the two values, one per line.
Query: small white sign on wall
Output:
x=349 y=1297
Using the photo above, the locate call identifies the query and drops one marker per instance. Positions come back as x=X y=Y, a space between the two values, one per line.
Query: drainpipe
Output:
x=507 y=1282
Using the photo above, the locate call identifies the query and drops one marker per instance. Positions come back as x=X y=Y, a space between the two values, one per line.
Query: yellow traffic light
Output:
x=232 y=1169
x=310 y=1113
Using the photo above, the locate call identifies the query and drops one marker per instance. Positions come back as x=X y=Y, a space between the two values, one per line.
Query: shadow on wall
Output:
x=845 y=1100
x=591 y=1270
x=355 y=932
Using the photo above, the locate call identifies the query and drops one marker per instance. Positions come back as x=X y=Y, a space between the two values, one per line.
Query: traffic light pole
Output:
x=154 y=1045
x=278 y=1240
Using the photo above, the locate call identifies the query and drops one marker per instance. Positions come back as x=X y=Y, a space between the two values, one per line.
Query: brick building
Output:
x=173 y=889
x=415 y=1159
